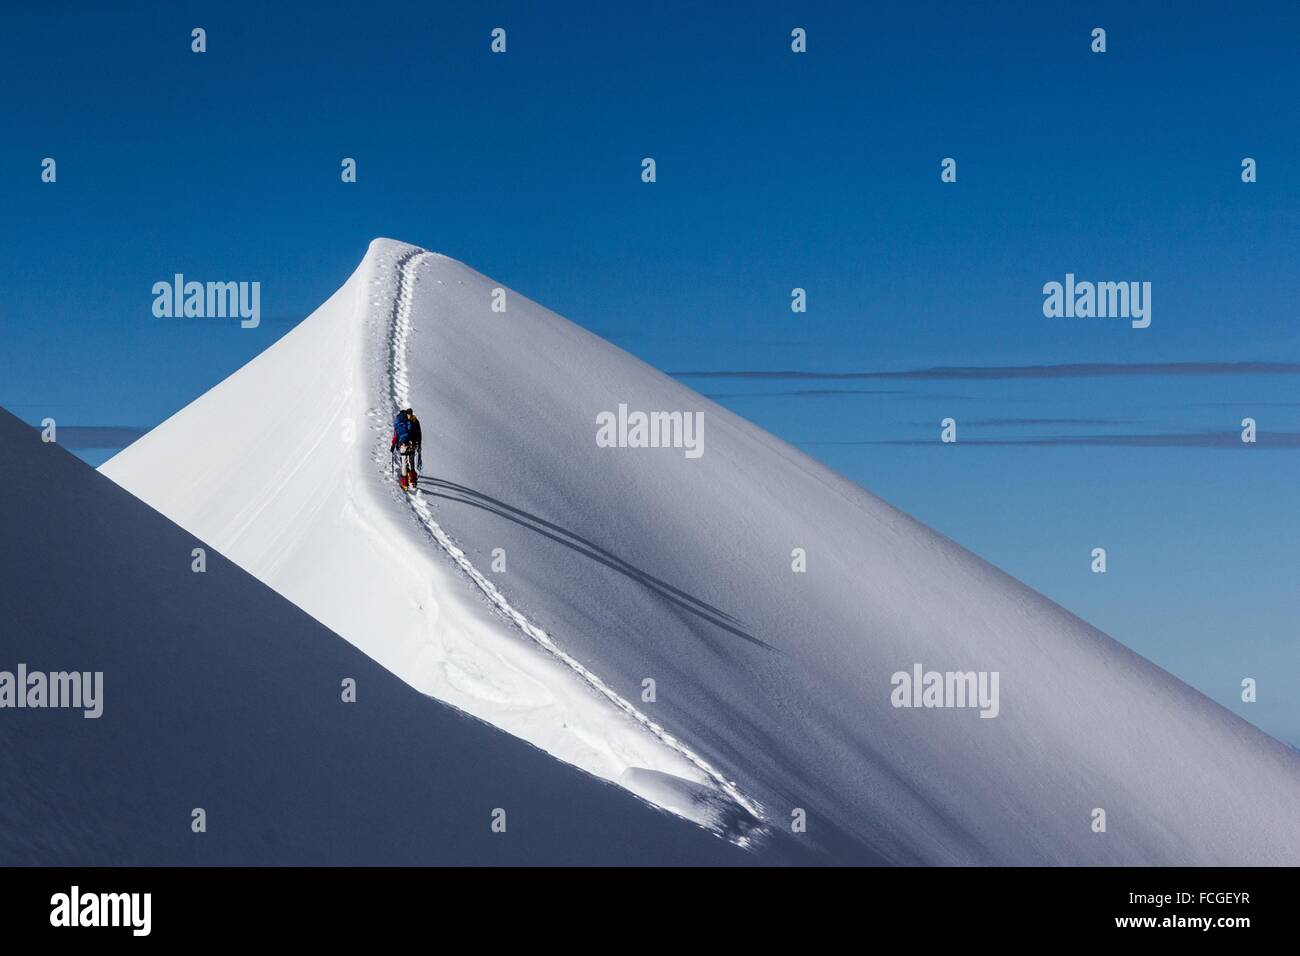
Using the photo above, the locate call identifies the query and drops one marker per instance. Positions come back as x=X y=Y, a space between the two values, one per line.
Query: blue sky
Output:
x=775 y=170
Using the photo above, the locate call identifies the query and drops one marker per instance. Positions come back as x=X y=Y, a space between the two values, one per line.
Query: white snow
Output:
x=772 y=688
x=286 y=470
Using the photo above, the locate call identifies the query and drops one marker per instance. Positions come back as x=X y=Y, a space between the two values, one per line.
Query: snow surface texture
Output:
x=773 y=688
x=288 y=473
x=220 y=694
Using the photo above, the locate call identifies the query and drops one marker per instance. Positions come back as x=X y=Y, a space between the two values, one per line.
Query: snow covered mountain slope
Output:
x=284 y=467
x=219 y=694
x=541 y=580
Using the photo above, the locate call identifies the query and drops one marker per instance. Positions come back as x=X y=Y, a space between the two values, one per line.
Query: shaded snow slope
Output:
x=287 y=471
x=772 y=688
x=219 y=694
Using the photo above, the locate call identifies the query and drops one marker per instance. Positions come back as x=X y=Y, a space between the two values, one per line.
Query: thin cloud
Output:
x=1000 y=372
x=838 y=392
x=1266 y=440
x=1040 y=422
x=1245 y=404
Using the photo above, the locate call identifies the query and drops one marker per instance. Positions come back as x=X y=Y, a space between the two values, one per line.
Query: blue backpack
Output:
x=403 y=429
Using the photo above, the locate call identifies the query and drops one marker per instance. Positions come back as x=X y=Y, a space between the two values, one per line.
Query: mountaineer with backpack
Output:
x=405 y=447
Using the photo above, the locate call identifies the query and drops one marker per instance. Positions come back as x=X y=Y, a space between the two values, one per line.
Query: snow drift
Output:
x=634 y=610
x=220 y=694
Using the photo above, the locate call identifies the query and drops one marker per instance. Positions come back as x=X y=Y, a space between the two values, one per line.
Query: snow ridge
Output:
x=736 y=822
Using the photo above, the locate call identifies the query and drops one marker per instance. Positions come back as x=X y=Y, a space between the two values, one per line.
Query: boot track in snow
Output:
x=738 y=817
